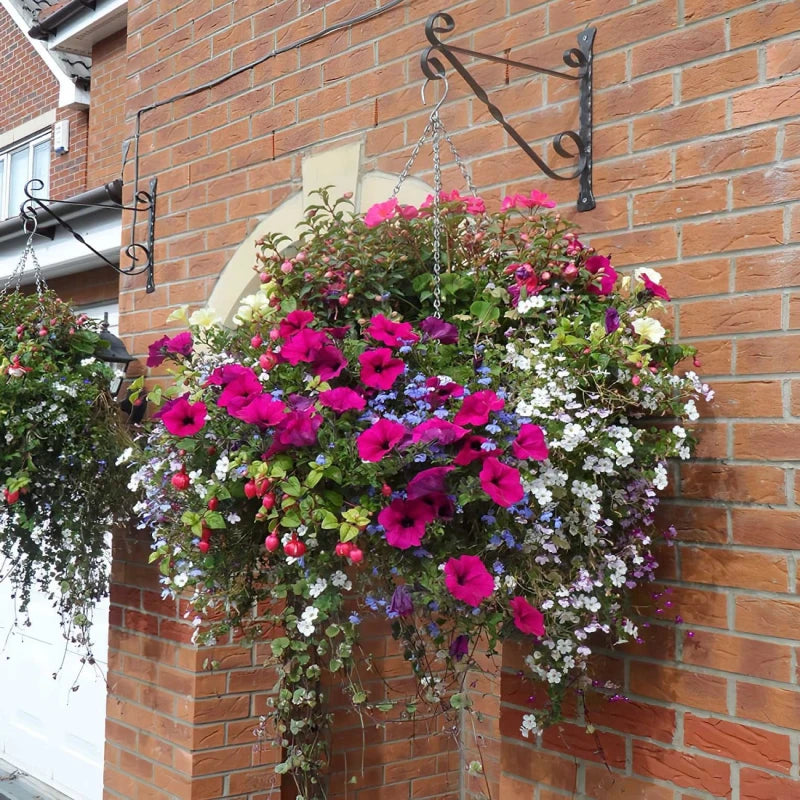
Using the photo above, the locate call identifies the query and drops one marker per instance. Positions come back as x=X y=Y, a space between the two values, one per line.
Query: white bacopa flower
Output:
x=180 y=580
x=530 y=303
x=661 y=478
x=318 y=587
x=529 y=725
x=124 y=456
x=649 y=329
x=690 y=409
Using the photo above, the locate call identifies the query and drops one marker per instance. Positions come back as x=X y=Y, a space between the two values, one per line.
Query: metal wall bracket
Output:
x=140 y=255
x=577 y=58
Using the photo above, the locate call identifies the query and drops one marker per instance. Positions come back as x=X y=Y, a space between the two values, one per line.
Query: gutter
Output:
x=42 y=30
x=12 y=228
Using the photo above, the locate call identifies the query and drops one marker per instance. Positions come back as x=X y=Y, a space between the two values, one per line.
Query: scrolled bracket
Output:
x=577 y=58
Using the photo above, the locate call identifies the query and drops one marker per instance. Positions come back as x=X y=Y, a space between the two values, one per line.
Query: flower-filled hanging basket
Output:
x=472 y=457
x=60 y=437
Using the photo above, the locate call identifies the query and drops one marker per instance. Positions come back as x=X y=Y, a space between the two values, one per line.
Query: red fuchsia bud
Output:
x=287 y=267
x=272 y=543
x=301 y=256
x=343 y=549
x=696 y=362
x=205 y=533
x=653 y=370
x=263 y=277
x=268 y=501
x=386 y=490
x=356 y=555
x=11 y=497
x=72 y=331
x=344 y=300
x=570 y=273
x=250 y=490
x=181 y=453
x=274 y=335
x=587 y=350
x=274 y=301
x=20 y=328
x=328 y=273
x=43 y=331
x=545 y=276
x=256 y=342
x=636 y=380
x=262 y=484
x=213 y=504
x=294 y=548
x=267 y=360
x=203 y=546
x=212 y=450
x=180 y=480
x=638 y=365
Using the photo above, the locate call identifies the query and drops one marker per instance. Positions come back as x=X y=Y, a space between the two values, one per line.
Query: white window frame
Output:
x=5 y=158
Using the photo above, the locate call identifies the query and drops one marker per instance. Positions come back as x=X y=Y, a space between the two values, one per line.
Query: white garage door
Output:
x=47 y=729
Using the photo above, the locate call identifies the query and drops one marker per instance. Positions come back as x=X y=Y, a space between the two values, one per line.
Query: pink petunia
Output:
x=441 y=505
x=181 y=344
x=404 y=522
x=296 y=429
x=157 y=352
x=437 y=430
x=380 y=439
x=475 y=205
x=440 y=392
x=380 y=212
x=262 y=410
x=294 y=322
x=601 y=268
x=342 y=399
x=379 y=369
x=390 y=333
x=223 y=375
x=468 y=580
x=429 y=481
x=328 y=362
x=532 y=200
x=530 y=443
x=303 y=346
x=655 y=288
x=527 y=618
x=240 y=391
x=407 y=212
x=501 y=482
x=476 y=408
x=183 y=418
x=471 y=450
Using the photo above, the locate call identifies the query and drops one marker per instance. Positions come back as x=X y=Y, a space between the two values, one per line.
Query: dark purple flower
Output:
x=459 y=647
x=612 y=319
x=401 y=604
x=435 y=328
x=429 y=481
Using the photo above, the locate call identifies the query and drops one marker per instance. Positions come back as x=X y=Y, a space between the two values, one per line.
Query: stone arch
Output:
x=339 y=167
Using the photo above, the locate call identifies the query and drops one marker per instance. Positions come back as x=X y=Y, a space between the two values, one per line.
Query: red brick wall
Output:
x=697 y=174
x=27 y=87
x=107 y=131
x=68 y=170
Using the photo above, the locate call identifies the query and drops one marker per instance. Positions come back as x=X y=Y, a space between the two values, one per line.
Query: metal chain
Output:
x=437 y=215
x=414 y=153
x=460 y=163
x=15 y=277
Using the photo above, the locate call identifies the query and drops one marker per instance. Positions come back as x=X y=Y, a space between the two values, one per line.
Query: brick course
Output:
x=696 y=173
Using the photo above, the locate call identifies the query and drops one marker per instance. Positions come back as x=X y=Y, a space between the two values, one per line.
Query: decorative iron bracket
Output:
x=577 y=58
x=140 y=255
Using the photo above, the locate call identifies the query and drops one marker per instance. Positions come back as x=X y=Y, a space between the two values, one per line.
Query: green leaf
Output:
x=329 y=520
x=359 y=697
x=279 y=645
x=335 y=664
x=332 y=631
x=384 y=706
x=292 y=487
x=459 y=700
x=313 y=478
x=334 y=474
x=214 y=519
x=290 y=520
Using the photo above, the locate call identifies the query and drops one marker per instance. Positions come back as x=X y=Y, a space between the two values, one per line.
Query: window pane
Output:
x=41 y=165
x=2 y=186
x=19 y=177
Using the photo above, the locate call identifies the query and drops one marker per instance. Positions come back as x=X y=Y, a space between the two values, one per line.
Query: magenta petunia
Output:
x=468 y=580
x=471 y=450
x=404 y=522
x=181 y=344
x=262 y=410
x=240 y=391
x=380 y=212
x=656 y=289
x=474 y=205
x=294 y=322
x=303 y=346
x=340 y=332
x=223 y=375
x=527 y=618
x=532 y=200
x=441 y=505
x=501 y=482
x=440 y=392
x=407 y=212
x=389 y=332
x=379 y=439
x=183 y=418
x=328 y=363
x=437 y=430
x=342 y=399
x=438 y=329
x=296 y=429
x=601 y=268
x=157 y=352
x=429 y=481
x=476 y=408
x=379 y=369
x=530 y=443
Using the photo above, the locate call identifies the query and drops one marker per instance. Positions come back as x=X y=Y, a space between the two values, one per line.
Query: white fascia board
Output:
x=64 y=254
x=68 y=93
x=81 y=33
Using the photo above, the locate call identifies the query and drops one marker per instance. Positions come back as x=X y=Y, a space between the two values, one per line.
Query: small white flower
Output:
x=650 y=329
x=124 y=456
x=205 y=318
x=180 y=580
x=318 y=587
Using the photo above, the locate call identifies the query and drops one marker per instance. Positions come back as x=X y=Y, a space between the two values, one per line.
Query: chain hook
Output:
x=435 y=112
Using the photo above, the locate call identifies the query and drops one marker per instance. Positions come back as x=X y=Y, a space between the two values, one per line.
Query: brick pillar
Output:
x=176 y=730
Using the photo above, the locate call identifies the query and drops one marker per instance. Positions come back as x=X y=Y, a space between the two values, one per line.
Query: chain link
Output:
x=15 y=278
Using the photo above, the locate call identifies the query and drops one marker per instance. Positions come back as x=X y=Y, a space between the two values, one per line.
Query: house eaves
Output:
x=77 y=25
